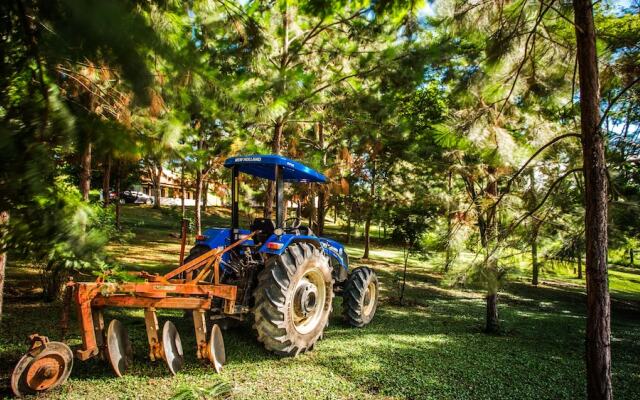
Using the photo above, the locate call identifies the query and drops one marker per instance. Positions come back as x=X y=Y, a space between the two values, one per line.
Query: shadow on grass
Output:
x=437 y=351
x=439 y=354
x=629 y=270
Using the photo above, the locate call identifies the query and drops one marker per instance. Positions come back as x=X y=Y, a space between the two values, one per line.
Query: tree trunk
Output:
x=598 y=330
x=4 y=220
x=535 y=229
x=372 y=205
x=367 y=239
x=276 y=143
x=117 y=188
x=493 y=324
x=312 y=206
x=280 y=88
x=534 y=256
x=404 y=273
x=321 y=190
x=349 y=212
x=106 y=180
x=321 y=210
x=53 y=279
x=579 y=254
x=205 y=196
x=197 y=216
x=447 y=261
x=491 y=235
x=85 y=171
x=157 y=189
x=183 y=193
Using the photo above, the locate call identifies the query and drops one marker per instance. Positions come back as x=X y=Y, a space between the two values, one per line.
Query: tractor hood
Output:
x=262 y=166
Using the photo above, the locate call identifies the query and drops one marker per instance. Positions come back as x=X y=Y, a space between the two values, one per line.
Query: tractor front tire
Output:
x=293 y=300
x=360 y=297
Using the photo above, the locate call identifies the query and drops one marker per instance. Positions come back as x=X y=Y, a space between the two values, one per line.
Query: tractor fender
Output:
x=216 y=237
x=335 y=250
x=276 y=245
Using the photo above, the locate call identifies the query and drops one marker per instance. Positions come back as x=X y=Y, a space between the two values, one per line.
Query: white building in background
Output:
x=170 y=191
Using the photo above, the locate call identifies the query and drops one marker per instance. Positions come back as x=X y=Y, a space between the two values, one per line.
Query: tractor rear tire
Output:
x=360 y=297
x=194 y=253
x=293 y=300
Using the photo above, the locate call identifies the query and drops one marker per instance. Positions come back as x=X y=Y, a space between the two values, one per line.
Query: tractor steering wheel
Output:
x=294 y=224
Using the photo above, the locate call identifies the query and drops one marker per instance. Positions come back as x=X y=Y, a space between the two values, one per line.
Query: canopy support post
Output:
x=279 y=197
x=235 y=223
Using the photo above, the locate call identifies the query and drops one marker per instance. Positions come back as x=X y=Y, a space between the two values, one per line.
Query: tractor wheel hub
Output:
x=308 y=301
x=305 y=298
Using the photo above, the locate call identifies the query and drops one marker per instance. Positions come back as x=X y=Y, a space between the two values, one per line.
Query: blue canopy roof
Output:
x=263 y=166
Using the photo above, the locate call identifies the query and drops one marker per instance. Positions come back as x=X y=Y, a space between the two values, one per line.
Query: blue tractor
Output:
x=285 y=274
x=277 y=274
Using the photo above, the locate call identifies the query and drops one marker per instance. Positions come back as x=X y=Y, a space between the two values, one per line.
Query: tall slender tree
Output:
x=4 y=222
x=598 y=332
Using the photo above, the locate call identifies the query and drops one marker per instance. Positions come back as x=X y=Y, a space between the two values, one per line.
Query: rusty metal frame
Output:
x=157 y=292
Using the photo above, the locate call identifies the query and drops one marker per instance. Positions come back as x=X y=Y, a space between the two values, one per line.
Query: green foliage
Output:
x=409 y=227
x=619 y=30
x=174 y=214
x=419 y=123
x=77 y=72
x=61 y=234
x=424 y=108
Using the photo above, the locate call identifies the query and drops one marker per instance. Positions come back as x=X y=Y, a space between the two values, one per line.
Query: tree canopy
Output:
x=459 y=126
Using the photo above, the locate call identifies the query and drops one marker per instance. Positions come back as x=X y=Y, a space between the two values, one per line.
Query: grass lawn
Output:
x=432 y=349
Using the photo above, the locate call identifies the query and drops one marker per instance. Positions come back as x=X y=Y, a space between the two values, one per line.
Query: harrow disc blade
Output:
x=216 y=351
x=42 y=369
x=172 y=347
x=119 y=350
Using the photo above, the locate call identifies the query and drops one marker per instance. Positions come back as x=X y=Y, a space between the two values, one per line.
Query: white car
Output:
x=132 y=197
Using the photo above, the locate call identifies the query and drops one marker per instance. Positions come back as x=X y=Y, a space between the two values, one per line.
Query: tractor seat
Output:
x=266 y=228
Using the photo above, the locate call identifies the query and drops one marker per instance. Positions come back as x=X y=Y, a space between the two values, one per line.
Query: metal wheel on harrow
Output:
x=293 y=299
x=46 y=366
